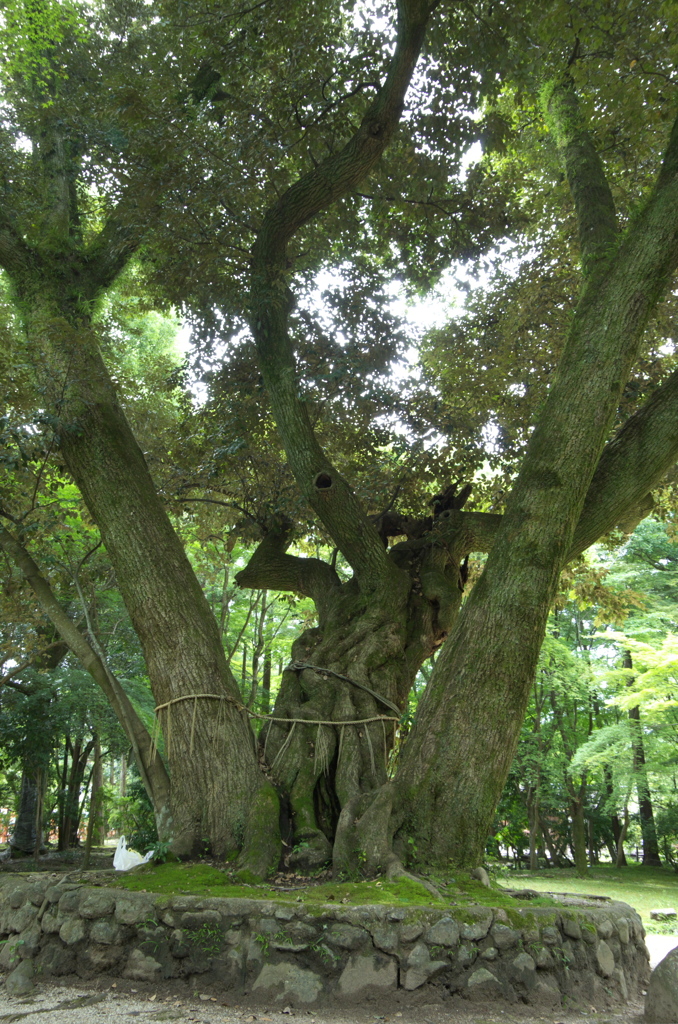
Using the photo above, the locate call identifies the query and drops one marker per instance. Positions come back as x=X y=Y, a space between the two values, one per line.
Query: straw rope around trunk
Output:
x=252 y=714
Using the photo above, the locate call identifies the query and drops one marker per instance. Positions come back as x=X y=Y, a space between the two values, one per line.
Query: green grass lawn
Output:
x=644 y=888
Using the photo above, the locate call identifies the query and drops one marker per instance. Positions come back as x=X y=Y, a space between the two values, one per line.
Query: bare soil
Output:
x=125 y=1002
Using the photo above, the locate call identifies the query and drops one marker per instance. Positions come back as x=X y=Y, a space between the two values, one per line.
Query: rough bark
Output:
x=570 y=490
x=359 y=663
x=457 y=757
x=24 y=837
x=213 y=800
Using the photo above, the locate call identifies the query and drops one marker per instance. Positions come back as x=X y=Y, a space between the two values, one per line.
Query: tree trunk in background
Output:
x=621 y=858
x=579 y=835
x=617 y=854
x=23 y=838
x=70 y=816
x=533 y=819
x=645 y=810
x=96 y=806
x=266 y=685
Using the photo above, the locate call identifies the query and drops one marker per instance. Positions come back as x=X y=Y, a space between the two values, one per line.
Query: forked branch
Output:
x=325 y=490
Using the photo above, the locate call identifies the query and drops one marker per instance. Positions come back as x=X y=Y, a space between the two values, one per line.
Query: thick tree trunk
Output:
x=357 y=667
x=457 y=757
x=216 y=784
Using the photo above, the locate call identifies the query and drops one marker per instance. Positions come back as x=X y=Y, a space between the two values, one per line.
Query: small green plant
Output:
x=263 y=941
x=561 y=957
x=207 y=938
x=161 y=850
x=324 y=952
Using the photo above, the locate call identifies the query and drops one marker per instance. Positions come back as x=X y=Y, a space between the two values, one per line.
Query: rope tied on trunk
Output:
x=299 y=666
x=224 y=697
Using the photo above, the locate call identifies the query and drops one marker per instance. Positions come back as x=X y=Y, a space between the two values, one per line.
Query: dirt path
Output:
x=61 y=1005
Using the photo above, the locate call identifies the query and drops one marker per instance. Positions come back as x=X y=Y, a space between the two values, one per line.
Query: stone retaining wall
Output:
x=275 y=952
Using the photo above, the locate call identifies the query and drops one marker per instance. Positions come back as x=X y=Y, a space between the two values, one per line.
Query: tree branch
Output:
x=151 y=768
x=325 y=490
x=16 y=257
x=121 y=236
x=596 y=215
x=270 y=568
x=632 y=463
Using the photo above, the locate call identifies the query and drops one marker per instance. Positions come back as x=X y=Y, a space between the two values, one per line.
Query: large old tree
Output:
x=238 y=150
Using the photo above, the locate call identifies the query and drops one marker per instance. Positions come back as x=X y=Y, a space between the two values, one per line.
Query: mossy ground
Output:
x=207 y=880
x=642 y=887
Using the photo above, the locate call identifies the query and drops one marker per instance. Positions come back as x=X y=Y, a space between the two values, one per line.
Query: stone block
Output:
x=141 y=967
x=133 y=912
x=444 y=933
x=29 y=940
x=51 y=922
x=504 y=937
x=661 y=1001
x=96 y=959
x=228 y=969
x=72 y=930
x=386 y=938
x=288 y=983
x=411 y=931
x=545 y=993
x=69 y=901
x=477 y=924
x=10 y=953
x=466 y=954
x=17 y=896
x=605 y=960
x=550 y=935
x=107 y=932
x=571 y=928
x=523 y=970
x=20 y=981
x=285 y=914
x=345 y=936
x=99 y=904
x=605 y=928
x=421 y=969
x=367 y=974
x=21 y=919
x=620 y=978
x=210 y=918
x=55 y=960
x=544 y=958
x=484 y=986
